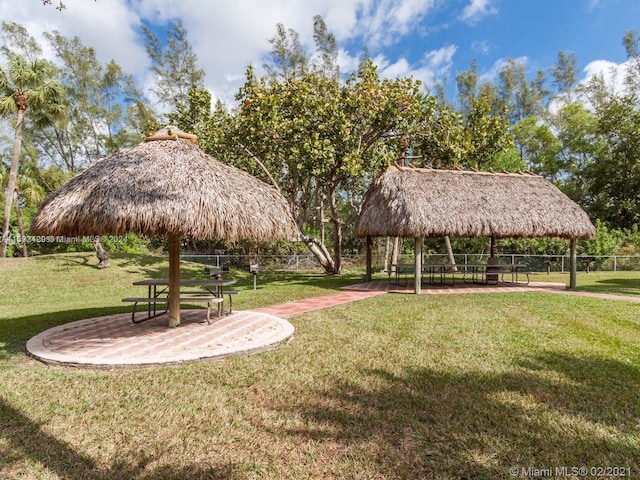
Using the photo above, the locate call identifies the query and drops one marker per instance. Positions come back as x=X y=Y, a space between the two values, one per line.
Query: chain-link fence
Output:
x=535 y=263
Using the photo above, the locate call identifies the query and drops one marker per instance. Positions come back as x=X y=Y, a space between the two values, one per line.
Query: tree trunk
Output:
x=337 y=225
x=319 y=250
x=13 y=180
x=23 y=237
x=369 y=248
x=101 y=253
x=394 y=253
x=452 y=259
x=337 y=246
x=387 y=247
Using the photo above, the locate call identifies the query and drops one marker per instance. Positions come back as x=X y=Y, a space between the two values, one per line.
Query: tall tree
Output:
x=487 y=134
x=580 y=145
x=98 y=119
x=288 y=58
x=321 y=138
x=520 y=96
x=174 y=65
x=564 y=76
x=631 y=43
x=17 y=41
x=538 y=147
x=327 y=49
x=23 y=85
x=614 y=176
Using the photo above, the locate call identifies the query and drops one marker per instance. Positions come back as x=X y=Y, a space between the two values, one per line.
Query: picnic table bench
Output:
x=212 y=294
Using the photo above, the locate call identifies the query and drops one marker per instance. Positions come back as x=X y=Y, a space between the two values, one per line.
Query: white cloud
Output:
x=492 y=74
x=107 y=25
x=384 y=22
x=477 y=10
x=227 y=35
x=432 y=67
x=482 y=47
x=613 y=73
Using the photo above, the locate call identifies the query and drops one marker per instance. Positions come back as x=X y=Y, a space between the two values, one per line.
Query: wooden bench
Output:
x=201 y=297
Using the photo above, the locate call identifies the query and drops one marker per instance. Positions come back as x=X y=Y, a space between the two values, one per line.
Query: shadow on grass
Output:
x=14 y=332
x=153 y=266
x=615 y=286
x=146 y=265
x=25 y=441
x=551 y=410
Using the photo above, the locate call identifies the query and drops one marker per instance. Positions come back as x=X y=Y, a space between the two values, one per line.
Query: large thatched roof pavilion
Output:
x=166 y=186
x=424 y=202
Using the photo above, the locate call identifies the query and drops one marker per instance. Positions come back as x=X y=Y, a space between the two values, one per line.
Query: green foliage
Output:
x=29 y=90
x=565 y=75
x=538 y=146
x=487 y=134
x=508 y=160
x=100 y=120
x=614 y=179
x=321 y=139
x=606 y=242
x=520 y=97
x=174 y=65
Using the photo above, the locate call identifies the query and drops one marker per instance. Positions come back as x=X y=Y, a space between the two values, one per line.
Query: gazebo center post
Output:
x=369 y=251
x=174 y=280
x=572 y=263
x=418 y=264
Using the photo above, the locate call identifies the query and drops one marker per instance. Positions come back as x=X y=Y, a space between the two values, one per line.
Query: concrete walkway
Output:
x=114 y=340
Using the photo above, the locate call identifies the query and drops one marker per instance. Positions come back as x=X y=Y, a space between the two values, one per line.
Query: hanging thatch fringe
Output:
x=424 y=202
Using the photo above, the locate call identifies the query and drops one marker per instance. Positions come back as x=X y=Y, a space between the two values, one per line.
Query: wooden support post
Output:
x=572 y=263
x=418 y=265
x=369 y=251
x=174 y=280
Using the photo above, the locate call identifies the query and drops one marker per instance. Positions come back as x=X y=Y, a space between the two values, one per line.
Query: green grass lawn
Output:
x=396 y=386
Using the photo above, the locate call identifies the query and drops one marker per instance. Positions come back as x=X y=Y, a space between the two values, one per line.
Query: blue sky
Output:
x=429 y=39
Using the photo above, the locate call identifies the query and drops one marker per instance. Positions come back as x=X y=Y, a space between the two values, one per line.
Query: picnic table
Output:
x=210 y=290
x=446 y=273
x=487 y=273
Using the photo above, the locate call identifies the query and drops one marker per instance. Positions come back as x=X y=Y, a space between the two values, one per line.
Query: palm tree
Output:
x=25 y=84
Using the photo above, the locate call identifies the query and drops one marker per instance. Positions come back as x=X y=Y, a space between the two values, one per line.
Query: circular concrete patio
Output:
x=115 y=340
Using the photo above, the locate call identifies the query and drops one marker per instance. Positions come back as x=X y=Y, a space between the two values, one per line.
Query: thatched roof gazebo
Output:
x=423 y=202
x=166 y=186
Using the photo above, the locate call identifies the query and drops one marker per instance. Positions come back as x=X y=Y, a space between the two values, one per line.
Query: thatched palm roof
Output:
x=166 y=187
x=412 y=202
